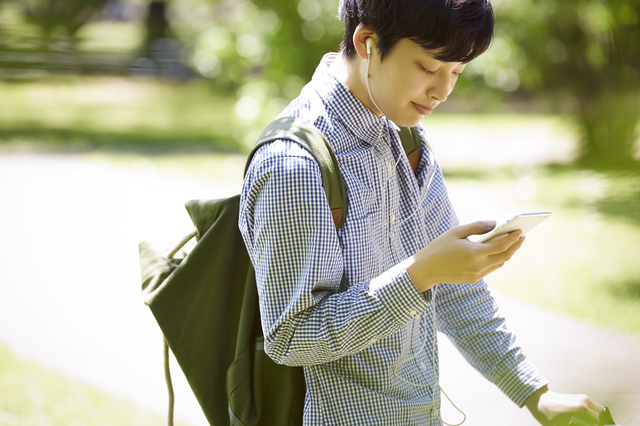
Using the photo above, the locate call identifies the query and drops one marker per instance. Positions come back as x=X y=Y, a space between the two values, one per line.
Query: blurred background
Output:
x=115 y=112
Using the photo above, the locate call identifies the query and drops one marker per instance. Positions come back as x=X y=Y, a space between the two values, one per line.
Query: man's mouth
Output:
x=422 y=109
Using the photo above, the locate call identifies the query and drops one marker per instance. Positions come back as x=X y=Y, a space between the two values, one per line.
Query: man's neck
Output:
x=351 y=73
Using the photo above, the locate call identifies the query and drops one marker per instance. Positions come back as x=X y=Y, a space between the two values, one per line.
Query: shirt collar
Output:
x=358 y=119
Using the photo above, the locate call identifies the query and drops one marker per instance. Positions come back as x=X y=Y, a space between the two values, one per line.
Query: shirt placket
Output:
x=392 y=204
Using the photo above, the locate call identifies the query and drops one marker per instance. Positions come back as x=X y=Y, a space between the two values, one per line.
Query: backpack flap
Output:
x=199 y=307
x=154 y=268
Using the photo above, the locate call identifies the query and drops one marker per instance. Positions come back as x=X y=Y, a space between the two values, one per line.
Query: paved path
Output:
x=70 y=295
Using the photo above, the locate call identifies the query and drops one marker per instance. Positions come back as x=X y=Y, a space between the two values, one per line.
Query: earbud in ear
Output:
x=368 y=42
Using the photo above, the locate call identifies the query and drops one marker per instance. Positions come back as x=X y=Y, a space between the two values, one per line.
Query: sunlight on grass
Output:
x=111 y=36
x=584 y=260
x=31 y=394
x=496 y=140
x=112 y=111
x=568 y=268
x=208 y=167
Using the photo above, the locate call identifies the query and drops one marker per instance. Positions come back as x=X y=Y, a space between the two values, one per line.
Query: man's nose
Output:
x=441 y=88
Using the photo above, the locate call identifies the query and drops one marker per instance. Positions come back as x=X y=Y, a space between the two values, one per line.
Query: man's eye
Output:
x=426 y=70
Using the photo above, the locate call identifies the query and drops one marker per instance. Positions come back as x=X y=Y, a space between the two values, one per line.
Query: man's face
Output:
x=411 y=82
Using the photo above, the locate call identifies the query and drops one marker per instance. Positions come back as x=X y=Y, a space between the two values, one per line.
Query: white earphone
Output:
x=366 y=76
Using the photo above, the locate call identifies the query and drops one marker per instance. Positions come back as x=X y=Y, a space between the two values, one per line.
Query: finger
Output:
x=505 y=256
x=505 y=243
x=594 y=405
x=590 y=410
x=595 y=409
x=475 y=228
x=490 y=270
x=509 y=252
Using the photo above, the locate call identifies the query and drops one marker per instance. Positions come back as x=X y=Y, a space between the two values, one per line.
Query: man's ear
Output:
x=360 y=36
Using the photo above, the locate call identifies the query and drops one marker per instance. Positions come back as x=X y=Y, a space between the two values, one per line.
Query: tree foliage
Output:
x=585 y=53
x=264 y=50
x=234 y=40
x=61 y=16
x=581 y=54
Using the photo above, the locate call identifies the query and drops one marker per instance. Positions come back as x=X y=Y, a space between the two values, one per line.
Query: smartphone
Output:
x=523 y=221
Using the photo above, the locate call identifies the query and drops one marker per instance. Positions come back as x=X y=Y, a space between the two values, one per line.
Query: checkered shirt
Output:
x=338 y=303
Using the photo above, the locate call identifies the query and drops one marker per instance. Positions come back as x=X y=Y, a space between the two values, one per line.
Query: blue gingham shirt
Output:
x=338 y=303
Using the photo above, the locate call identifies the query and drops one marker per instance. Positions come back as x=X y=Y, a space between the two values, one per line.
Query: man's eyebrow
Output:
x=432 y=55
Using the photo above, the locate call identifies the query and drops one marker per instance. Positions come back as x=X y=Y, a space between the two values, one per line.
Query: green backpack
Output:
x=206 y=304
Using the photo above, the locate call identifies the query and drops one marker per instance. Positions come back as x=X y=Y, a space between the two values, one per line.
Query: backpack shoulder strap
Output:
x=412 y=145
x=309 y=137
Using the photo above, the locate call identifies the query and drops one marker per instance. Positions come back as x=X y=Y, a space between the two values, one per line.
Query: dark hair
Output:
x=462 y=29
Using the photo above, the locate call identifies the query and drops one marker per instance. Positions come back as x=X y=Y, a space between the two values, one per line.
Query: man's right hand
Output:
x=452 y=258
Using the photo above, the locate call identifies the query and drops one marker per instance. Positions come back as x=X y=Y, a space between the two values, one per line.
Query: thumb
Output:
x=474 y=228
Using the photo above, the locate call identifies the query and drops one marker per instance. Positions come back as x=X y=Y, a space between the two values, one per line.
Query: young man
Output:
x=356 y=307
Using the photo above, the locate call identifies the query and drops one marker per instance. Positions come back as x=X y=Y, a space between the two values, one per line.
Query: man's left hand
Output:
x=556 y=409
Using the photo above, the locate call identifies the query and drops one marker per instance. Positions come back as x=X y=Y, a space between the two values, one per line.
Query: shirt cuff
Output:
x=398 y=294
x=522 y=381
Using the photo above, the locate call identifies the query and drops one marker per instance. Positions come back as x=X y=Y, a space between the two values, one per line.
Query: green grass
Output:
x=33 y=395
x=111 y=36
x=84 y=114
x=96 y=36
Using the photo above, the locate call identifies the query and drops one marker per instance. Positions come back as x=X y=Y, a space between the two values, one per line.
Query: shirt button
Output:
x=395 y=246
x=423 y=366
x=393 y=218
x=390 y=167
x=413 y=312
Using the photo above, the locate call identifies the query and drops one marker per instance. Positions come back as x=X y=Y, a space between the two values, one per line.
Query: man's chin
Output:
x=409 y=121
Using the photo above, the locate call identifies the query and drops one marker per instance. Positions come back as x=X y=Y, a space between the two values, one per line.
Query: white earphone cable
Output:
x=435 y=289
x=433 y=364
x=432 y=161
x=366 y=79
